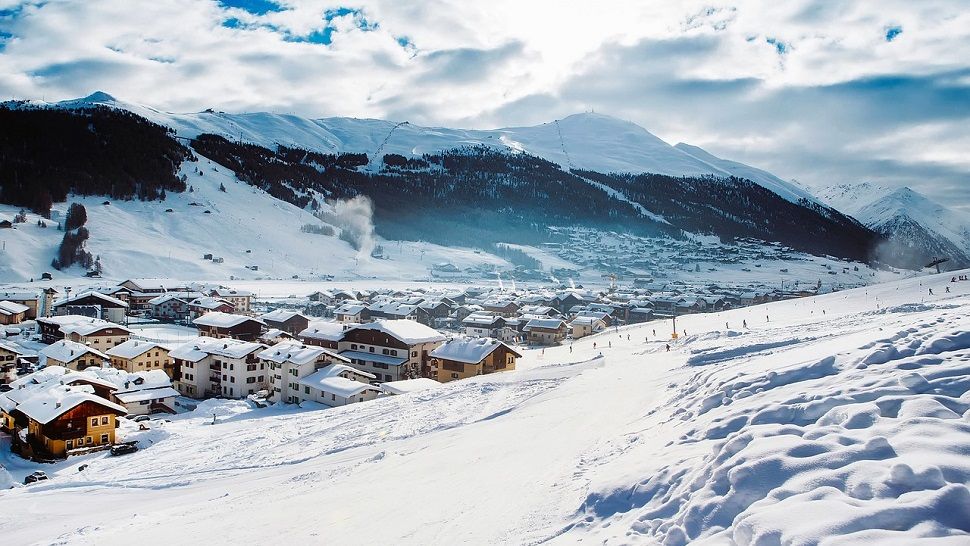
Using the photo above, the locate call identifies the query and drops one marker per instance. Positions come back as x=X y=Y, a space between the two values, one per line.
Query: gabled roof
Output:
x=470 y=349
x=297 y=353
x=11 y=308
x=46 y=406
x=91 y=294
x=374 y=357
x=551 y=324
x=204 y=346
x=281 y=315
x=131 y=348
x=341 y=386
x=231 y=293
x=324 y=330
x=207 y=302
x=67 y=351
x=218 y=319
x=407 y=331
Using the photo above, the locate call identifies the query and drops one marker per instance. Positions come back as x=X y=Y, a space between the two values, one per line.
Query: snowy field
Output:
x=839 y=419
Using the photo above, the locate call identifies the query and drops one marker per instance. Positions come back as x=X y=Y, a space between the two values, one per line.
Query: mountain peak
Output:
x=98 y=96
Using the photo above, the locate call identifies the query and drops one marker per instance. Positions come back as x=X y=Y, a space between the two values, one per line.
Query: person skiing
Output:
x=947 y=289
x=668 y=347
x=594 y=344
x=655 y=332
x=744 y=323
x=610 y=344
x=931 y=291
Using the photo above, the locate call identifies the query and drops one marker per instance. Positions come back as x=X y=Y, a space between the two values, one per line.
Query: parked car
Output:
x=37 y=476
x=124 y=449
x=140 y=418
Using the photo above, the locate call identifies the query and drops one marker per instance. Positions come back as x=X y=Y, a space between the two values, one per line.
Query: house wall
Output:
x=57 y=438
x=155 y=359
x=332 y=399
x=101 y=340
x=145 y=407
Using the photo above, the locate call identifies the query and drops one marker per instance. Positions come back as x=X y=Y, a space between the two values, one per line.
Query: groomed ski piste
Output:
x=837 y=419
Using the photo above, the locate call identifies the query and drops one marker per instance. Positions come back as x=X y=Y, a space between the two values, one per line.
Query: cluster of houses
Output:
x=329 y=348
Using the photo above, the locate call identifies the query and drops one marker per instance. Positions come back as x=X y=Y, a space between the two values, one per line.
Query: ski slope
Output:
x=842 y=419
x=245 y=226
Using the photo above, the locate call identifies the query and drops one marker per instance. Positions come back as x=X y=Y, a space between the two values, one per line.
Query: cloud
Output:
x=810 y=89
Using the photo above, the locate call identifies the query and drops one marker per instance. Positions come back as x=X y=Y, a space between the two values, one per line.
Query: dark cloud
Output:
x=467 y=65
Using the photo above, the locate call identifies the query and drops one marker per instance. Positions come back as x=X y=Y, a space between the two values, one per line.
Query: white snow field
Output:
x=838 y=419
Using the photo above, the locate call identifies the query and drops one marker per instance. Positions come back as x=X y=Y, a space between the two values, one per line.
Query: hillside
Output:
x=842 y=419
x=919 y=229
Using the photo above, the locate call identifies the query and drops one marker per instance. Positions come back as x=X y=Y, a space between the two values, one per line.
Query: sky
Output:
x=817 y=91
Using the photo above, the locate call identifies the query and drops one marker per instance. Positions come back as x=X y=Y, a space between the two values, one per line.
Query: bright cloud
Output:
x=810 y=89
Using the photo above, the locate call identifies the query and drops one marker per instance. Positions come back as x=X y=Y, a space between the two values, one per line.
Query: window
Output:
x=371 y=349
x=232 y=379
x=69 y=444
x=94 y=421
x=333 y=396
x=353 y=346
x=88 y=440
x=144 y=402
x=454 y=375
x=104 y=438
x=414 y=353
x=306 y=390
x=293 y=372
x=104 y=420
x=260 y=379
x=384 y=351
x=393 y=352
x=387 y=377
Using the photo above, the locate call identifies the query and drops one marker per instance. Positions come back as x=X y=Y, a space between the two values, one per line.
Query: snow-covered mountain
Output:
x=916 y=225
x=588 y=141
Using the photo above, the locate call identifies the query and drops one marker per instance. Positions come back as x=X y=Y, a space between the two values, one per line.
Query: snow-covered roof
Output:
x=481 y=319
x=91 y=293
x=470 y=349
x=146 y=394
x=183 y=297
x=281 y=315
x=297 y=353
x=131 y=348
x=195 y=351
x=585 y=320
x=155 y=284
x=231 y=293
x=208 y=302
x=407 y=331
x=79 y=324
x=341 y=386
x=551 y=324
x=218 y=319
x=66 y=351
x=46 y=406
x=409 y=385
x=11 y=308
x=324 y=330
x=16 y=349
x=350 y=308
x=337 y=368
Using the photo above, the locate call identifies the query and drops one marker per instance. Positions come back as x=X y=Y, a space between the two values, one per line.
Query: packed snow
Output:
x=836 y=419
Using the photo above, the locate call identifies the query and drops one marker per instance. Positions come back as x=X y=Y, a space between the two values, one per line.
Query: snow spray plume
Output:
x=355 y=218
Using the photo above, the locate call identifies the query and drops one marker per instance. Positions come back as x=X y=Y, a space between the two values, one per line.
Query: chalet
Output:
x=461 y=358
x=432 y=312
x=583 y=326
x=603 y=316
x=290 y=361
x=291 y=322
x=64 y=420
x=226 y=367
x=483 y=325
x=334 y=390
x=97 y=333
x=393 y=309
x=351 y=312
x=144 y=393
x=640 y=314
x=141 y=291
x=323 y=333
x=391 y=349
x=323 y=297
x=240 y=299
x=223 y=325
x=344 y=296
x=93 y=304
x=38 y=302
x=540 y=311
x=72 y=355
x=274 y=336
x=545 y=331
x=501 y=308
x=206 y=304
x=169 y=307
x=564 y=300
x=10 y=356
x=12 y=312
x=138 y=356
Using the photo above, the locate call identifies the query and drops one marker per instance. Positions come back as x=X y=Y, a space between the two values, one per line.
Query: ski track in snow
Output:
x=850 y=426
